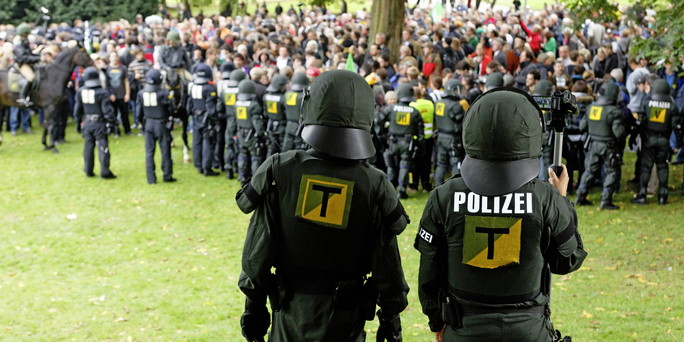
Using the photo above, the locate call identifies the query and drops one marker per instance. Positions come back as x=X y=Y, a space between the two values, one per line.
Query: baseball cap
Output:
x=313 y=72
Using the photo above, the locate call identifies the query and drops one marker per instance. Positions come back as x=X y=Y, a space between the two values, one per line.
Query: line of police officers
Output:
x=235 y=131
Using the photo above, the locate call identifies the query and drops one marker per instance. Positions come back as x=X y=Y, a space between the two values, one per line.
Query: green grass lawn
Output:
x=120 y=260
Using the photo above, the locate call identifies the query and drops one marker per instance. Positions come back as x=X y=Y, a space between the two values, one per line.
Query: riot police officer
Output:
x=293 y=101
x=96 y=116
x=325 y=219
x=605 y=124
x=404 y=136
x=490 y=237
x=250 y=131
x=274 y=111
x=24 y=59
x=221 y=87
x=658 y=118
x=226 y=104
x=202 y=106
x=154 y=107
x=449 y=112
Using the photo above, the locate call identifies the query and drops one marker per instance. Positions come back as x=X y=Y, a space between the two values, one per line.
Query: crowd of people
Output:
x=442 y=65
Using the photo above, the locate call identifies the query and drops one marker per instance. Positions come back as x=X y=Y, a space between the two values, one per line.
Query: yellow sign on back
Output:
x=241 y=113
x=595 y=113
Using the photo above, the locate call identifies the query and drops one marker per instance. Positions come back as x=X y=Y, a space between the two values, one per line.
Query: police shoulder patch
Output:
x=464 y=104
x=425 y=235
x=325 y=200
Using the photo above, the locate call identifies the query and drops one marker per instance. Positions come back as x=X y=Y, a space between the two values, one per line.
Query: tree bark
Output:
x=388 y=17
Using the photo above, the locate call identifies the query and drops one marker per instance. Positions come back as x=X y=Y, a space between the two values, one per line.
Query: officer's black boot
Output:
x=229 y=174
x=607 y=202
x=24 y=95
x=403 y=194
x=582 y=198
x=640 y=199
x=210 y=172
x=662 y=199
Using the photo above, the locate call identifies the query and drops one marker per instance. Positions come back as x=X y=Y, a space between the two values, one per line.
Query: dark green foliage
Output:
x=667 y=35
x=15 y=11
x=667 y=32
x=596 y=10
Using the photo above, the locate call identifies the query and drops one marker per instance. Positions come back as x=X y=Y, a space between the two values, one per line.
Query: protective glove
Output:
x=632 y=141
x=389 y=329
x=109 y=128
x=255 y=323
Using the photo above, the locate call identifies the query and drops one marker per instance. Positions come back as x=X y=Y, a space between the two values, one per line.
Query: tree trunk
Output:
x=187 y=4
x=388 y=17
x=477 y=4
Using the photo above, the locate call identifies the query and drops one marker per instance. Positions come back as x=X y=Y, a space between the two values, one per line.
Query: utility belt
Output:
x=471 y=310
x=394 y=138
x=157 y=119
x=451 y=133
x=198 y=112
x=94 y=117
x=352 y=288
x=606 y=140
x=658 y=134
x=347 y=293
x=453 y=312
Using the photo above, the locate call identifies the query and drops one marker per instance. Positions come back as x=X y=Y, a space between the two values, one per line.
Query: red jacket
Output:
x=535 y=39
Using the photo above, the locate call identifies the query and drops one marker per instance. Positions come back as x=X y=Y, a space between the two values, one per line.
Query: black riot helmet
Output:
x=502 y=137
x=202 y=74
x=226 y=69
x=153 y=80
x=405 y=93
x=337 y=114
x=236 y=76
x=299 y=81
x=660 y=90
x=608 y=94
x=278 y=83
x=91 y=76
x=543 y=88
x=452 y=87
x=153 y=77
x=246 y=90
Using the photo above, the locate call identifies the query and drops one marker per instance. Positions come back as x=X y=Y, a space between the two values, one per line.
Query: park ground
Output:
x=87 y=259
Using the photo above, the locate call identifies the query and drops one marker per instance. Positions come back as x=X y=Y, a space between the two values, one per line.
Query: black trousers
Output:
x=95 y=131
x=121 y=107
x=156 y=132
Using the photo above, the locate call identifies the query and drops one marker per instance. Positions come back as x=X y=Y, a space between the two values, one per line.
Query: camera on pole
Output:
x=560 y=105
